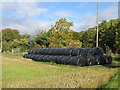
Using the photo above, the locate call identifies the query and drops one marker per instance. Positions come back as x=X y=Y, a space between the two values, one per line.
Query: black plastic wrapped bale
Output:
x=33 y=51
x=68 y=51
x=84 y=51
x=36 y=58
x=54 y=58
x=51 y=51
x=61 y=51
x=78 y=60
x=37 y=51
x=91 y=61
x=46 y=52
x=30 y=55
x=33 y=56
x=50 y=58
x=100 y=60
x=43 y=51
x=45 y=58
x=98 y=51
x=67 y=60
x=59 y=59
x=108 y=59
x=30 y=51
x=75 y=52
x=56 y=51
x=41 y=58
x=26 y=56
x=91 y=52
x=40 y=51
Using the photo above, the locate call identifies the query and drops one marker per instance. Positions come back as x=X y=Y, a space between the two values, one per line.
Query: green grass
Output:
x=20 y=72
x=112 y=82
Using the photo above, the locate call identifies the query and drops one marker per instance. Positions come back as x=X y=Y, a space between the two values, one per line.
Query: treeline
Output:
x=61 y=35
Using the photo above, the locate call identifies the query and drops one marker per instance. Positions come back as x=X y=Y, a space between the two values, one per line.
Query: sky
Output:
x=28 y=17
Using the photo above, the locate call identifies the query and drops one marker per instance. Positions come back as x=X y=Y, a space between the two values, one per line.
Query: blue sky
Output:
x=28 y=17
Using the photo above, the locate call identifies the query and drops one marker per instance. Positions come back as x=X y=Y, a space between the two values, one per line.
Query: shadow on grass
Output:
x=111 y=66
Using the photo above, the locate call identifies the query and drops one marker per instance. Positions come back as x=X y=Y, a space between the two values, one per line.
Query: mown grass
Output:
x=19 y=73
x=113 y=82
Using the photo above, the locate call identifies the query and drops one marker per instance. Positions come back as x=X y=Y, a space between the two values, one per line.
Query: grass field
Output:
x=21 y=73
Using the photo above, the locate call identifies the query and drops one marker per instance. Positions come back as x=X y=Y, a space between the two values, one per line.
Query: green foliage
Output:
x=9 y=34
x=109 y=34
x=41 y=39
x=111 y=84
x=6 y=46
x=60 y=35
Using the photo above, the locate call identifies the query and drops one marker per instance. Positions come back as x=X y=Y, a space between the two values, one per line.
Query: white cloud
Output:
x=29 y=26
x=109 y=13
x=21 y=17
x=89 y=19
x=24 y=8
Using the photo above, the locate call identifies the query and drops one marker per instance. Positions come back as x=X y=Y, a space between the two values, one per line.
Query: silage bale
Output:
x=75 y=52
x=100 y=59
x=33 y=51
x=45 y=58
x=50 y=58
x=59 y=59
x=78 y=60
x=56 y=51
x=51 y=51
x=36 y=57
x=54 y=58
x=67 y=60
x=91 y=61
x=61 y=51
x=27 y=56
x=85 y=51
x=98 y=51
x=108 y=59
x=46 y=52
x=32 y=56
x=68 y=51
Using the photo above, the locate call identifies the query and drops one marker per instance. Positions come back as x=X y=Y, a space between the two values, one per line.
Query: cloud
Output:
x=109 y=13
x=63 y=14
x=89 y=19
x=24 y=8
x=19 y=16
x=29 y=26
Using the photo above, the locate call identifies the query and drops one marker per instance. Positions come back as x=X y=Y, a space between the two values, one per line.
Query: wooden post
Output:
x=97 y=26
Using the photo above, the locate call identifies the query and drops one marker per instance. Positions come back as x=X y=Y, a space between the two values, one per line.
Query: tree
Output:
x=60 y=35
x=22 y=44
x=10 y=34
x=41 y=39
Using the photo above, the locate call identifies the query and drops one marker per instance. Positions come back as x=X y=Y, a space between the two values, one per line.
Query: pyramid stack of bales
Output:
x=71 y=56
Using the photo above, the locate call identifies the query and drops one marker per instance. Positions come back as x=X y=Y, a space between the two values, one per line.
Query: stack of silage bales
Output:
x=72 y=56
